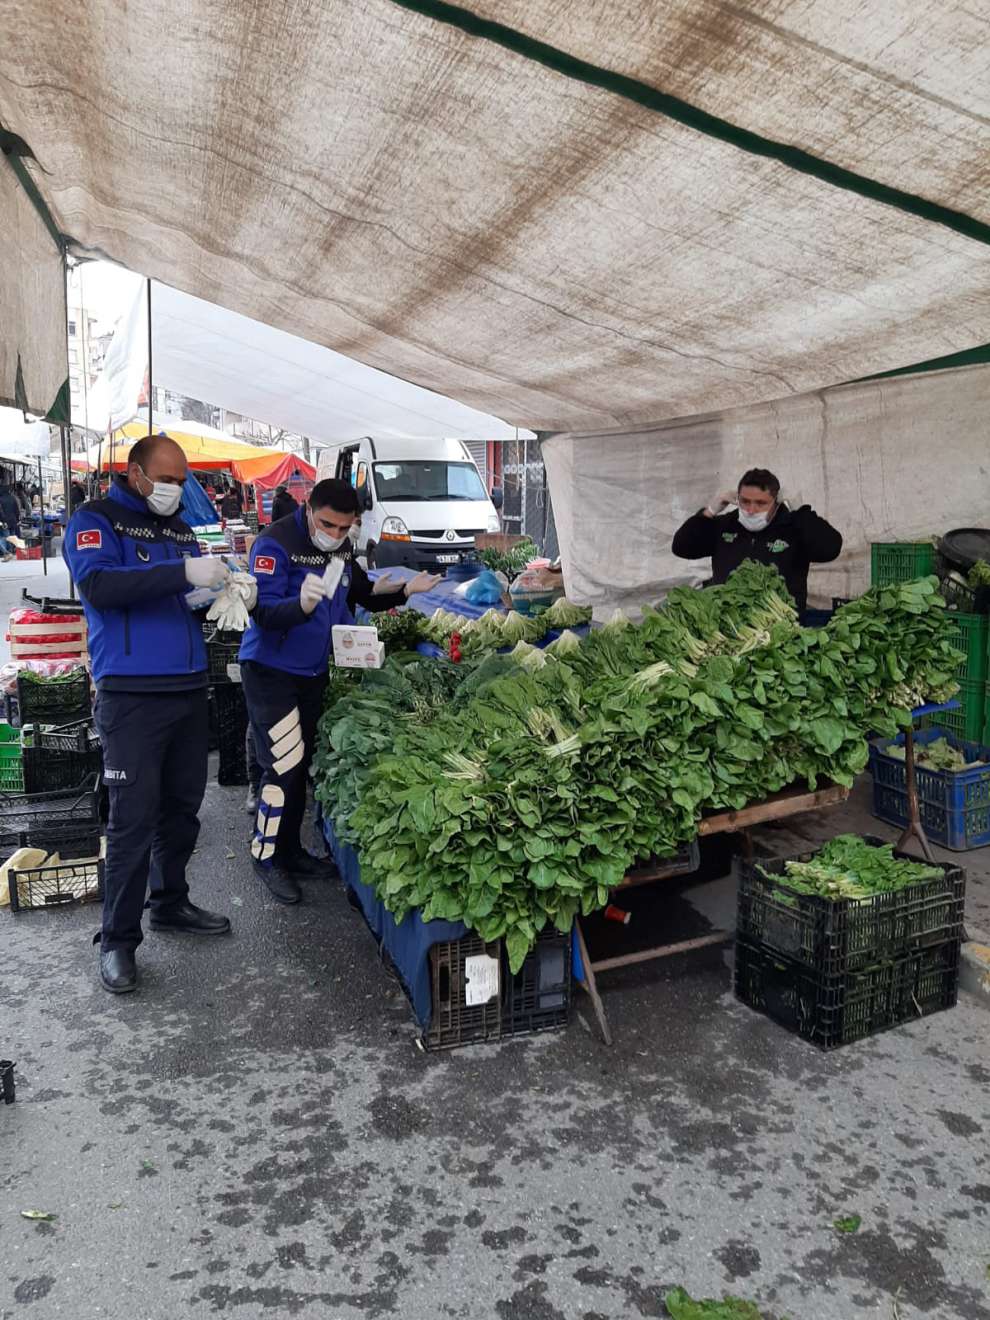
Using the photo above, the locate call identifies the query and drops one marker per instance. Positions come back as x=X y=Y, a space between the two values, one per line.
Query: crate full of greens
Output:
x=55 y=697
x=953 y=778
x=852 y=904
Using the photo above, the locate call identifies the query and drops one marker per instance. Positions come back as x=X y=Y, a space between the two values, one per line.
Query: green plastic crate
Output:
x=900 y=561
x=11 y=767
x=968 y=632
x=967 y=721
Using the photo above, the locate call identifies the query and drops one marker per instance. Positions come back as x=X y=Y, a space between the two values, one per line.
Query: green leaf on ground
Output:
x=36 y=1214
x=847 y=1223
x=680 y=1306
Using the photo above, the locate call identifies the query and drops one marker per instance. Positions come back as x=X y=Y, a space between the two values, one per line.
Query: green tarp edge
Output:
x=632 y=89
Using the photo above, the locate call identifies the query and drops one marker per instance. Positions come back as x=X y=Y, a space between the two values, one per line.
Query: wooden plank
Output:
x=791 y=802
x=664 y=951
x=591 y=985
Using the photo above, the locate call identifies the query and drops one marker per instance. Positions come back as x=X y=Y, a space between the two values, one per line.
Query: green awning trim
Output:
x=15 y=151
x=61 y=410
x=632 y=89
x=968 y=357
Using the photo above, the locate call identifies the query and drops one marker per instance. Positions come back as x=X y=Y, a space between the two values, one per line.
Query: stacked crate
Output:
x=834 y=972
x=227 y=698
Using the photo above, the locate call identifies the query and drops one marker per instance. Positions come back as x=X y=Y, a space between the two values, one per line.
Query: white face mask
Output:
x=754 y=522
x=322 y=541
x=165 y=497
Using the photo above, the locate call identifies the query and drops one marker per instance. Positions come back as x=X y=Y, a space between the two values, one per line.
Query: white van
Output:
x=423 y=501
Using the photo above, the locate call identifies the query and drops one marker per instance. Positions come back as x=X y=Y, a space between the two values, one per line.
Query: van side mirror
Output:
x=498 y=498
x=364 y=495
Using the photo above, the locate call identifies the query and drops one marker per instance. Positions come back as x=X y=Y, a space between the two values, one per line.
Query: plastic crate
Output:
x=7 y=1089
x=966 y=721
x=960 y=596
x=68 y=822
x=28 y=552
x=232 y=722
x=833 y=938
x=839 y=601
x=78 y=736
x=954 y=805
x=11 y=766
x=900 y=561
x=222 y=649
x=538 y=997
x=49 y=771
x=60 y=885
x=53 y=702
x=833 y=1011
x=454 y=1021
x=968 y=633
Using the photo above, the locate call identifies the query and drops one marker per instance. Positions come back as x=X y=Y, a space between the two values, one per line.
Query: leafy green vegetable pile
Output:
x=682 y=1307
x=528 y=798
x=400 y=630
x=849 y=867
x=510 y=562
x=979 y=574
x=496 y=629
x=939 y=754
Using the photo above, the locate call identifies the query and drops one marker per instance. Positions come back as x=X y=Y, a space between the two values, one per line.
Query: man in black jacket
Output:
x=760 y=528
x=283 y=504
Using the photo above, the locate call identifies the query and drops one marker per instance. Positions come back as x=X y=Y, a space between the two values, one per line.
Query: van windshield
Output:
x=428 y=481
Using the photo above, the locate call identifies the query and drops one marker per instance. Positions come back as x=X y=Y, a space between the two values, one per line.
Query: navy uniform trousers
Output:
x=155 y=747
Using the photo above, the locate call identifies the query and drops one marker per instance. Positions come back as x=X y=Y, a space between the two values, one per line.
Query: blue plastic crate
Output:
x=954 y=805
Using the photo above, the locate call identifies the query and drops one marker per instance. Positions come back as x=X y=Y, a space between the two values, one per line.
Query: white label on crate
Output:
x=482 y=979
x=234 y=673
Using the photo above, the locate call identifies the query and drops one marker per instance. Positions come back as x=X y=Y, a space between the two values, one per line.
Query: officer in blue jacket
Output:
x=133 y=560
x=301 y=565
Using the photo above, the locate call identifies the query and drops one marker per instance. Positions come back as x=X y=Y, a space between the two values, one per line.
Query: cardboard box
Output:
x=357 y=647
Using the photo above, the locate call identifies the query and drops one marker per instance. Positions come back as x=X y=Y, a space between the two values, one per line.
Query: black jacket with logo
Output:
x=794 y=540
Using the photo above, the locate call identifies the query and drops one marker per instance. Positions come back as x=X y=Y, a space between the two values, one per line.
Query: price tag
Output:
x=482 y=979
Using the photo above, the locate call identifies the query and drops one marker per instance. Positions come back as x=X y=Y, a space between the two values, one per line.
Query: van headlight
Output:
x=394 y=529
x=493 y=523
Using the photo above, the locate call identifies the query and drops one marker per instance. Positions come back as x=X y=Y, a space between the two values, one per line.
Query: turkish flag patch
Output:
x=92 y=540
x=262 y=563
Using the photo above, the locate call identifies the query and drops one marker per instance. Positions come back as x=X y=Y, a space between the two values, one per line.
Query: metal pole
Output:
x=66 y=478
x=151 y=388
x=41 y=514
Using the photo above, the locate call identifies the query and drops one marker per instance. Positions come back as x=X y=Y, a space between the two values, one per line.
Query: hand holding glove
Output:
x=205 y=571
x=311 y=592
x=721 y=502
x=421 y=582
x=231 y=608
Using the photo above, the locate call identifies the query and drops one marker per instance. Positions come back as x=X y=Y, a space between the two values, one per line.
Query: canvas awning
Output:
x=572 y=217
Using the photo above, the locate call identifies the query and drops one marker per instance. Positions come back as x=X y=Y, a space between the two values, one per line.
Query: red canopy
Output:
x=272 y=470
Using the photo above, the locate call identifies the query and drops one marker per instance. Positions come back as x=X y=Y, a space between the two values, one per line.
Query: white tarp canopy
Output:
x=900 y=459
x=210 y=353
x=573 y=217
x=23 y=440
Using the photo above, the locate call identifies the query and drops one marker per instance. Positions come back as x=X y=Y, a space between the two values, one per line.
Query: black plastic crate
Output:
x=52 y=702
x=454 y=1021
x=7 y=1081
x=837 y=937
x=831 y=1011
x=11 y=710
x=67 y=822
x=78 y=736
x=538 y=997
x=47 y=771
x=232 y=721
x=222 y=650
x=58 y=885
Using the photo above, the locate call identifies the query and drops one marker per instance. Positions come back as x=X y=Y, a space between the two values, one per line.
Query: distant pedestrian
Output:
x=283 y=504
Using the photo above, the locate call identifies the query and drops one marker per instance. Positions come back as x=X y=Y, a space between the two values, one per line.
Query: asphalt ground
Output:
x=255 y=1132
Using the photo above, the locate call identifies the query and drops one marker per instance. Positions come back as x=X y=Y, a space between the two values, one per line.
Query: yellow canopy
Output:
x=209 y=451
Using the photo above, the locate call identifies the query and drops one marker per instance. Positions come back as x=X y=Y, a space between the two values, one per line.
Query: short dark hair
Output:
x=142 y=452
x=333 y=494
x=761 y=478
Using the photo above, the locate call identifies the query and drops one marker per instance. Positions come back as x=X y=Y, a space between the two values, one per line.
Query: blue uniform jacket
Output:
x=280 y=633
x=128 y=565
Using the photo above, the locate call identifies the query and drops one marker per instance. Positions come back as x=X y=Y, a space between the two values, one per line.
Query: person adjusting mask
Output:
x=133 y=561
x=760 y=527
x=303 y=583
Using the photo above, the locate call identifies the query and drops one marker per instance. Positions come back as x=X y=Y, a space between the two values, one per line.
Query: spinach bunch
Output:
x=527 y=800
x=849 y=867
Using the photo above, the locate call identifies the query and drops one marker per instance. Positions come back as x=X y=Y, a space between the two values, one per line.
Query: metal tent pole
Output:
x=151 y=387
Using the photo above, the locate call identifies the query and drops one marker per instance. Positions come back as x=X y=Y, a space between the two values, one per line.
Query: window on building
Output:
x=72 y=328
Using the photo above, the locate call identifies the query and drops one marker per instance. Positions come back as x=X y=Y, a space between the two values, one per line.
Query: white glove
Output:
x=332 y=574
x=721 y=502
x=421 y=582
x=231 y=608
x=311 y=592
x=205 y=572
x=385 y=584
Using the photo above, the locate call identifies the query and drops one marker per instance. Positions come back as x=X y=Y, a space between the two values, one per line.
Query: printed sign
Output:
x=482 y=975
x=91 y=540
x=264 y=564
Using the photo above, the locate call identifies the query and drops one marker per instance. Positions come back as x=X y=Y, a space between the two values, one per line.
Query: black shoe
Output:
x=304 y=866
x=186 y=916
x=118 y=971
x=251 y=802
x=282 y=887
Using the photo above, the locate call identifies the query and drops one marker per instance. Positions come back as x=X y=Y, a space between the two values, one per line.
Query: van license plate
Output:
x=448 y=559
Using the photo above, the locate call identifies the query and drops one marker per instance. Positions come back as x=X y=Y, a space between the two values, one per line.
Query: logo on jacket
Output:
x=114 y=776
x=775 y=547
x=92 y=540
x=264 y=564
x=729 y=536
x=143 y=553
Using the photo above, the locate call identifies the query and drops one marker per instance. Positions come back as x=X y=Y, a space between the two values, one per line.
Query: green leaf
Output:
x=847 y=1223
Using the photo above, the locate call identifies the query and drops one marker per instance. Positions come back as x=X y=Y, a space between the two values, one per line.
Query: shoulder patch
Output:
x=92 y=539
x=264 y=564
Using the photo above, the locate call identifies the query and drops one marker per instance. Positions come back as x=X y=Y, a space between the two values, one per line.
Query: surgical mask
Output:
x=324 y=542
x=165 y=496
x=754 y=522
